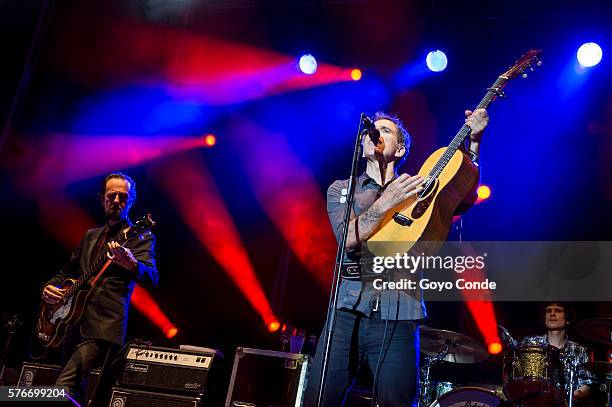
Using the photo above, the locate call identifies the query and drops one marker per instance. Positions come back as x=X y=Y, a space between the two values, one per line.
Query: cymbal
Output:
x=461 y=348
x=596 y=330
x=600 y=368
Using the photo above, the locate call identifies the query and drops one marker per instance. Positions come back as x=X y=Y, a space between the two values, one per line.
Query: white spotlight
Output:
x=589 y=54
x=436 y=61
x=308 y=64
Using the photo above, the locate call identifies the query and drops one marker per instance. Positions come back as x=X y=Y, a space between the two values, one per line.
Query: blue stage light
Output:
x=436 y=61
x=308 y=64
x=589 y=54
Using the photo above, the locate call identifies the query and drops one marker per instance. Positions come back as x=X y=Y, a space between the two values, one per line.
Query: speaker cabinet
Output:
x=39 y=374
x=267 y=378
x=121 y=397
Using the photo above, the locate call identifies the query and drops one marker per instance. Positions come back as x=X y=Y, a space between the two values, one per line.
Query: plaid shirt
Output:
x=358 y=295
x=571 y=350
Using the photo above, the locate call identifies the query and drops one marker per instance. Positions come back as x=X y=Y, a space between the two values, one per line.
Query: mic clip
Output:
x=370 y=129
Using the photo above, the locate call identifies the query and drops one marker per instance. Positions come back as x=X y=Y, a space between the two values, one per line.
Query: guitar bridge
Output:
x=402 y=219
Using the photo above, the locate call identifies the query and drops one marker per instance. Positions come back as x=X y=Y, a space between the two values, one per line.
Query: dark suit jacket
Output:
x=105 y=316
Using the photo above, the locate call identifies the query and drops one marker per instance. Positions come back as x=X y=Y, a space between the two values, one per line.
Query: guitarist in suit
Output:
x=367 y=317
x=102 y=327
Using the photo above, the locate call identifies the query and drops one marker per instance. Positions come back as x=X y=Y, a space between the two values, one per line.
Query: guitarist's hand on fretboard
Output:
x=52 y=295
x=477 y=121
x=122 y=256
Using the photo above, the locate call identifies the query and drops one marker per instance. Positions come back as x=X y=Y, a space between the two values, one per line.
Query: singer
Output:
x=376 y=328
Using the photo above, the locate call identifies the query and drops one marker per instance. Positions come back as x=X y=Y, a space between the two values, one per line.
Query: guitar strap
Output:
x=99 y=246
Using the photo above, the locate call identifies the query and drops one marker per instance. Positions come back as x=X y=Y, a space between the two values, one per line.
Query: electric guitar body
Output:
x=55 y=319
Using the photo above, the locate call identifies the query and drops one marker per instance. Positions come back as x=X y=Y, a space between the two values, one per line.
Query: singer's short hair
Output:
x=402 y=134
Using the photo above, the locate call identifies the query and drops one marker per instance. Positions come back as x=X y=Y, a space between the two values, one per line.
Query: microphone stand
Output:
x=423 y=400
x=340 y=254
x=572 y=380
x=11 y=327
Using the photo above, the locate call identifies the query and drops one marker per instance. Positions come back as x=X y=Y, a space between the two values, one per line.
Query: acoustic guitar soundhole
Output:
x=422 y=205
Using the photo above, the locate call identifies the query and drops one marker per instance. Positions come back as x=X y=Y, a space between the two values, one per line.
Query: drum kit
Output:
x=533 y=375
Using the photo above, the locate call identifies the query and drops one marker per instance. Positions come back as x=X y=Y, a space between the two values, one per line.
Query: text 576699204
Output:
x=33 y=394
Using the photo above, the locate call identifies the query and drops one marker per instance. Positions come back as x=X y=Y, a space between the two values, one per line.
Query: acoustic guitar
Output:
x=54 y=320
x=450 y=176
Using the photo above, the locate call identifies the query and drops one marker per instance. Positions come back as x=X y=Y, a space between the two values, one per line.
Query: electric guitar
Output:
x=450 y=175
x=54 y=320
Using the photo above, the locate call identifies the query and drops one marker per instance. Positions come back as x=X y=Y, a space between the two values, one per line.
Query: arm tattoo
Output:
x=367 y=221
x=370 y=217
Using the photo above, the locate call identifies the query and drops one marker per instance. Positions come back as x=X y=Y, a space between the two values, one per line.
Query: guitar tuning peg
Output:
x=531 y=67
x=524 y=75
x=539 y=63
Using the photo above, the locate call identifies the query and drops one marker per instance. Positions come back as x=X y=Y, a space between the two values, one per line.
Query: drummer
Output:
x=558 y=317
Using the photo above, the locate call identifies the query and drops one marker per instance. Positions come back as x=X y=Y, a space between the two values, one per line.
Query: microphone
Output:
x=506 y=337
x=371 y=130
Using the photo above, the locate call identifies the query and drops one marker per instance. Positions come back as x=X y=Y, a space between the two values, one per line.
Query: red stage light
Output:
x=479 y=302
x=209 y=140
x=57 y=160
x=273 y=326
x=171 y=333
x=291 y=197
x=356 y=74
x=495 y=348
x=146 y=305
x=62 y=217
x=211 y=70
x=484 y=192
x=194 y=193
x=484 y=316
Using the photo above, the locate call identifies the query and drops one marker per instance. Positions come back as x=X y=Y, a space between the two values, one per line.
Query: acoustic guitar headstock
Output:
x=529 y=60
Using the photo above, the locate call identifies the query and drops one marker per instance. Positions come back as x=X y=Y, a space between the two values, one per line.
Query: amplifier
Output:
x=168 y=370
x=267 y=378
x=39 y=374
x=136 y=398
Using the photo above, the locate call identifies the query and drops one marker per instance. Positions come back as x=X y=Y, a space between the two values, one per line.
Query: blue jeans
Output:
x=357 y=338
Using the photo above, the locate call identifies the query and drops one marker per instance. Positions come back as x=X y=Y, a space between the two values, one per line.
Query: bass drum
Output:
x=467 y=396
x=437 y=389
x=497 y=389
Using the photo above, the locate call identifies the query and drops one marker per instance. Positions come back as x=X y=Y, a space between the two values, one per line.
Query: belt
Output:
x=350 y=271
x=357 y=271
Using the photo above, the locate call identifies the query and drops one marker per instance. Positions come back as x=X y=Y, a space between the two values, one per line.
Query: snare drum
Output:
x=467 y=396
x=533 y=375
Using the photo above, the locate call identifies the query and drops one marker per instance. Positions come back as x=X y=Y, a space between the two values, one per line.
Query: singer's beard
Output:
x=115 y=215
